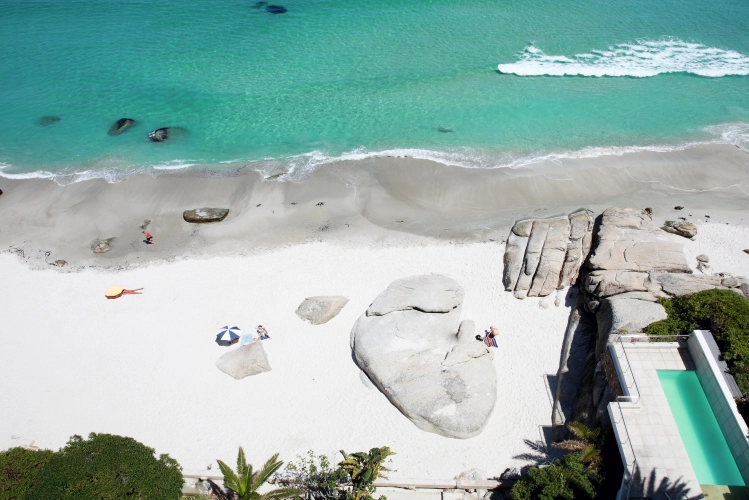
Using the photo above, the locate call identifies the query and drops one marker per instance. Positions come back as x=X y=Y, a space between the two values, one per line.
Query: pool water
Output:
x=705 y=443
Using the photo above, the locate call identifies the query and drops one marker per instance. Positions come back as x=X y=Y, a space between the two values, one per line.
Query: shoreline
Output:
x=377 y=201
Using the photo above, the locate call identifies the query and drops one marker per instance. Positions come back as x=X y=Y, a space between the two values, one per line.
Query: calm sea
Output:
x=476 y=83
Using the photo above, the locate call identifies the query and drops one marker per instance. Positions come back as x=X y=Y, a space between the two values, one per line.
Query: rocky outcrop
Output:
x=120 y=126
x=632 y=264
x=319 y=310
x=412 y=345
x=682 y=228
x=162 y=134
x=246 y=361
x=543 y=255
x=205 y=215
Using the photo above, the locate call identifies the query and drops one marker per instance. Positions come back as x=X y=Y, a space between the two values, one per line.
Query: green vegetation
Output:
x=314 y=475
x=567 y=478
x=245 y=482
x=588 y=444
x=364 y=469
x=352 y=480
x=725 y=313
x=107 y=467
x=18 y=467
x=574 y=476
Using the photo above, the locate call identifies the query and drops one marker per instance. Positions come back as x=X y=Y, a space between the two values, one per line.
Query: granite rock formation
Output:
x=205 y=215
x=245 y=361
x=412 y=345
x=319 y=310
x=544 y=255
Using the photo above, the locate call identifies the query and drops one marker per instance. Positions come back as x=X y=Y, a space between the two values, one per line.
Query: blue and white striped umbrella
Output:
x=227 y=335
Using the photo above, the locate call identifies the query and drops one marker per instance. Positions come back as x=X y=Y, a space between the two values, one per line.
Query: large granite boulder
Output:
x=205 y=215
x=245 y=361
x=319 y=310
x=628 y=240
x=543 y=255
x=620 y=316
x=675 y=284
x=412 y=345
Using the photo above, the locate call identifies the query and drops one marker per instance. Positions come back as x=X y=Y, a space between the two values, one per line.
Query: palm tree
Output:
x=245 y=482
x=588 y=444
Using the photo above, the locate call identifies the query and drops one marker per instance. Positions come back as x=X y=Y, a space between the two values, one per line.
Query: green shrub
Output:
x=314 y=476
x=565 y=479
x=363 y=469
x=18 y=467
x=107 y=467
x=725 y=313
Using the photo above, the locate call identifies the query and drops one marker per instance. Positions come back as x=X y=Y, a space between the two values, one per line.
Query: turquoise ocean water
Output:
x=511 y=80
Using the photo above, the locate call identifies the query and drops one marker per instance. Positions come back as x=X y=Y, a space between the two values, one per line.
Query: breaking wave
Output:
x=641 y=59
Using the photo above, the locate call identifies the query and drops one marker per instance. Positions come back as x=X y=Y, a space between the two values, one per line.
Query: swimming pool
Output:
x=705 y=443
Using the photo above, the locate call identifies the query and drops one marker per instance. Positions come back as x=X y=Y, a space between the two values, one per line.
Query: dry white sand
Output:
x=143 y=365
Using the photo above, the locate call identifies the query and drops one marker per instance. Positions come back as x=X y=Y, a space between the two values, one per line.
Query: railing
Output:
x=624 y=368
x=629 y=466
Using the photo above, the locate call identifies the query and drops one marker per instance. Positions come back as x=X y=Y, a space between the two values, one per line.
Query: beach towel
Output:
x=489 y=341
x=246 y=339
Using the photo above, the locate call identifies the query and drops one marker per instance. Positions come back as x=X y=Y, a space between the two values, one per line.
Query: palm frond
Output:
x=230 y=478
x=269 y=468
x=570 y=445
x=241 y=462
x=580 y=430
x=281 y=493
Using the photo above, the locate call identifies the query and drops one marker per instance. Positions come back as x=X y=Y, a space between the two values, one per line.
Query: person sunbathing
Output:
x=490 y=337
x=262 y=332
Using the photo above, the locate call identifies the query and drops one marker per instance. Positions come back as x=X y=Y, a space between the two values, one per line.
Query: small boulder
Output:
x=430 y=293
x=685 y=229
x=319 y=310
x=248 y=360
x=205 y=215
x=276 y=9
x=729 y=282
x=678 y=207
x=102 y=246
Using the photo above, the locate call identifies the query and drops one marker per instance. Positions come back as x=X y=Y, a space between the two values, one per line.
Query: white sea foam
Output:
x=641 y=59
x=298 y=167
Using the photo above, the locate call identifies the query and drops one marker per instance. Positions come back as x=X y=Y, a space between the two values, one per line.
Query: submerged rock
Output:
x=48 y=120
x=276 y=9
x=319 y=310
x=120 y=126
x=414 y=348
x=205 y=215
x=162 y=134
x=244 y=362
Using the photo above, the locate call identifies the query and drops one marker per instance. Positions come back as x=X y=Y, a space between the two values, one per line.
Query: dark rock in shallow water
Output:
x=202 y=215
x=276 y=9
x=121 y=125
x=162 y=134
x=259 y=4
x=444 y=130
x=48 y=120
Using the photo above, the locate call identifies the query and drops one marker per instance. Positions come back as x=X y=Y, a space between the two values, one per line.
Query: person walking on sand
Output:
x=262 y=332
x=148 y=237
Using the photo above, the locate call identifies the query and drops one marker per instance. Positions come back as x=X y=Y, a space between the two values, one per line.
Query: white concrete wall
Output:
x=719 y=396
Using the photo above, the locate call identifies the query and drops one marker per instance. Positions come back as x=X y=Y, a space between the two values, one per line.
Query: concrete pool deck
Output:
x=655 y=455
x=657 y=464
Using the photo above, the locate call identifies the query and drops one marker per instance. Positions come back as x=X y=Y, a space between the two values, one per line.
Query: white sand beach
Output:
x=143 y=365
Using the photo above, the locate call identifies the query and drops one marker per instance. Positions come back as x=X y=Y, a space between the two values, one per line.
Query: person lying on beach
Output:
x=262 y=332
x=490 y=338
